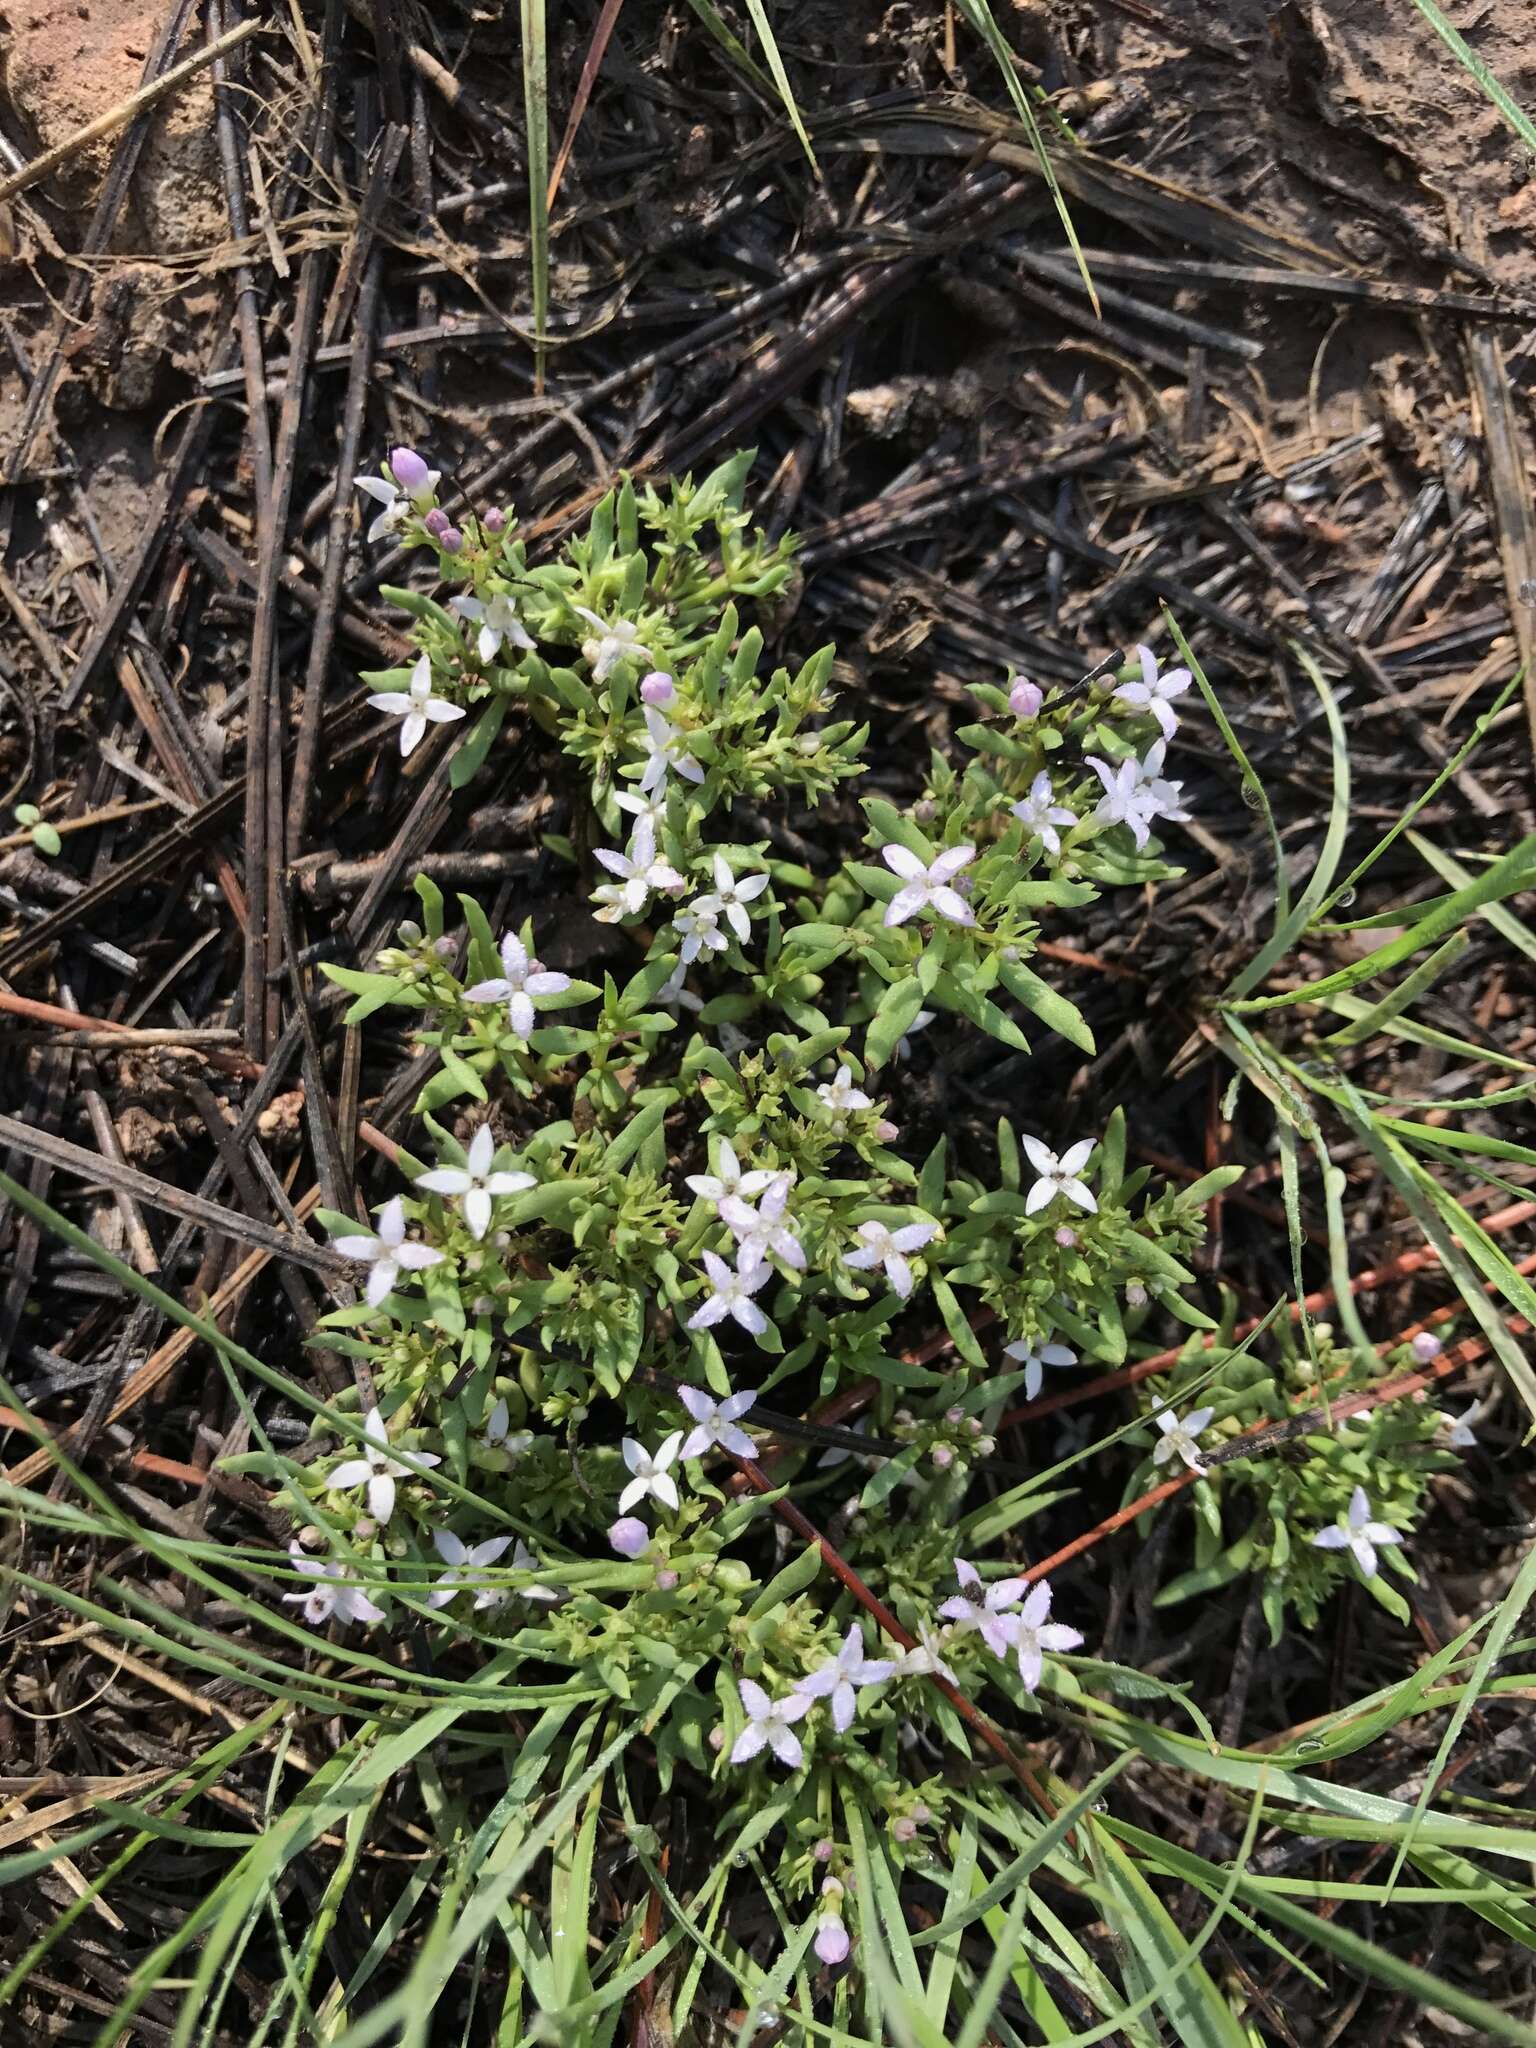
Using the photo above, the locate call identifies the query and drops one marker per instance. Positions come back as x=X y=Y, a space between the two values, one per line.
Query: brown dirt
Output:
x=63 y=66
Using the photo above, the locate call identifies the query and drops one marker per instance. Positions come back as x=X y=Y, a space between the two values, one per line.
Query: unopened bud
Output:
x=887 y=1132
x=494 y=521
x=436 y=522
x=1066 y=1237
x=823 y=1850
x=657 y=688
x=942 y=1456
x=450 y=540
x=1425 y=1346
x=922 y=1814
x=716 y=1739
x=365 y=1529
x=954 y=1415
x=1135 y=1294
x=903 y=1828
x=666 y=1581
x=1025 y=699
x=629 y=1536
x=408 y=469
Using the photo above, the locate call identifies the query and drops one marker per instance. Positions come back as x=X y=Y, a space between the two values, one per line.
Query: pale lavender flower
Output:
x=1180 y=1438
x=768 y=1724
x=731 y=1295
x=523 y=984
x=523 y=1560
x=327 y=1596
x=1033 y=1634
x=464 y=1562
x=376 y=1469
x=882 y=1246
x=925 y=888
x=652 y=1470
x=731 y=895
x=1040 y=816
x=763 y=1230
x=640 y=871
x=1359 y=1535
x=388 y=1253
x=411 y=472
x=715 y=1422
x=1426 y=1346
x=919 y=1023
x=985 y=1612
x=836 y=1679
x=474 y=1185
x=498 y=622
x=610 y=644
x=1135 y=794
x=1058 y=1175
x=1034 y=1362
x=1155 y=693
x=1457 y=1431
x=728 y=1177
x=416 y=707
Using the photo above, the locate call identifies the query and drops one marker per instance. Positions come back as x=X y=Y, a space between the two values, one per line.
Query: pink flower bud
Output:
x=903 y=1828
x=716 y=1739
x=629 y=1536
x=666 y=1581
x=942 y=1456
x=1066 y=1237
x=450 y=540
x=831 y=1888
x=364 y=1529
x=1425 y=1346
x=887 y=1132
x=1135 y=1295
x=408 y=469
x=657 y=688
x=832 y=1943
x=921 y=1813
x=436 y=522
x=1025 y=699
x=495 y=520
x=954 y=1415
x=823 y=1850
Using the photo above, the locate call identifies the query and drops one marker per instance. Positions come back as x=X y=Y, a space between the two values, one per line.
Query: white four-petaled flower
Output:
x=639 y=869
x=1359 y=1534
x=1135 y=794
x=1034 y=1362
x=465 y=1562
x=986 y=1612
x=400 y=501
x=327 y=1596
x=927 y=887
x=497 y=1437
x=610 y=644
x=764 y=1229
x=1058 y=1175
x=836 y=1679
x=841 y=1095
x=924 y=1659
x=1181 y=1437
x=474 y=1184
x=699 y=929
x=498 y=622
x=1155 y=692
x=1033 y=1634
x=416 y=706
x=1039 y=815
x=731 y=1295
x=666 y=752
x=652 y=1470
x=376 y=1469
x=388 y=1253
x=768 y=1724
x=731 y=895
x=715 y=1422
x=522 y=985
x=728 y=1177
x=882 y=1246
